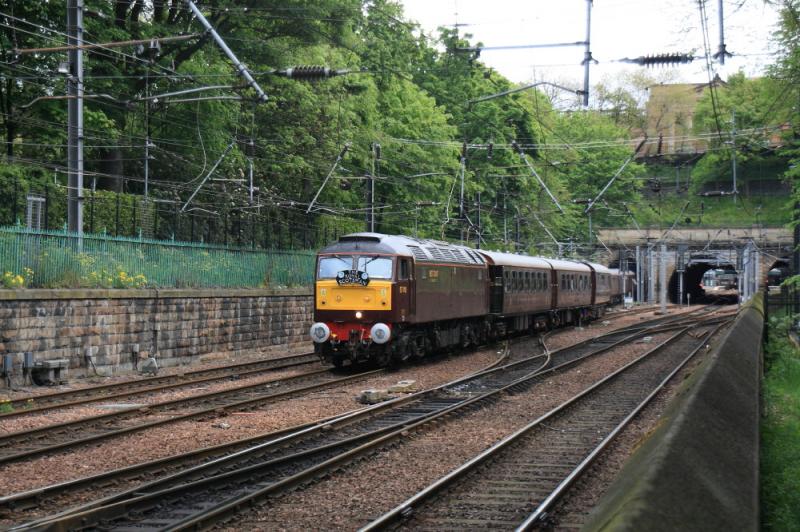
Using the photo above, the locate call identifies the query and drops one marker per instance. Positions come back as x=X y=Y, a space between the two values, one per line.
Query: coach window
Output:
x=527 y=281
x=404 y=270
x=506 y=281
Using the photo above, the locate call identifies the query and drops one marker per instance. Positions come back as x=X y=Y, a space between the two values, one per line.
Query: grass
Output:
x=780 y=432
x=720 y=211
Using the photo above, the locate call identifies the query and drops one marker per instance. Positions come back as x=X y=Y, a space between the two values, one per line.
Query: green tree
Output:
x=760 y=113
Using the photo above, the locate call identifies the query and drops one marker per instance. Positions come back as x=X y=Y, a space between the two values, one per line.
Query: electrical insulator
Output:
x=489 y=151
x=464 y=151
x=660 y=59
x=377 y=148
x=309 y=72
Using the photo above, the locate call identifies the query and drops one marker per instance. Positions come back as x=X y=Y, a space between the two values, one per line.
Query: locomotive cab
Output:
x=362 y=292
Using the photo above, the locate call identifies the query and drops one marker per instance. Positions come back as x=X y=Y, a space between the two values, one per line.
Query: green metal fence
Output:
x=54 y=259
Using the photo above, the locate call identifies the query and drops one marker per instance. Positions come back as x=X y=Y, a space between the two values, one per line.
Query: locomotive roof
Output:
x=421 y=249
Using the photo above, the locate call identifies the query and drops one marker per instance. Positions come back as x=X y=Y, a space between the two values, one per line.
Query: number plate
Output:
x=345 y=277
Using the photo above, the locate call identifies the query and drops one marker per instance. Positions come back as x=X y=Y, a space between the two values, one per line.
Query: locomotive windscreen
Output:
x=376 y=267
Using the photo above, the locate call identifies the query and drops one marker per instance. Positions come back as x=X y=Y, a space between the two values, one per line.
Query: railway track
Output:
x=209 y=492
x=53 y=438
x=48 y=439
x=513 y=484
x=39 y=403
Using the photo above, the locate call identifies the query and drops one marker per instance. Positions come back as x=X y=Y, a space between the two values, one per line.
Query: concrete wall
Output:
x=175 y=325
x=699 y=470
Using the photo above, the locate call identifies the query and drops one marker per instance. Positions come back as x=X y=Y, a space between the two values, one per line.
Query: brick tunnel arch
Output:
x=692 y=279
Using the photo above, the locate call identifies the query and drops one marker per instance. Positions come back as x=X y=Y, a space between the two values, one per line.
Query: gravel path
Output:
x=369 y=488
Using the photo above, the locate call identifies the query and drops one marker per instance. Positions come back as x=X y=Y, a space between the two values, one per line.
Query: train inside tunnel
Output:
x=694 y=290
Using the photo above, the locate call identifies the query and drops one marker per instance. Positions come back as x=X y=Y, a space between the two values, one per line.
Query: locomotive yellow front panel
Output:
x=377 y=295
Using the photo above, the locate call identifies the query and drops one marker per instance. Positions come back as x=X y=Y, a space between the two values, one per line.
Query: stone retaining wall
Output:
x=700 y=469
x=120 y=327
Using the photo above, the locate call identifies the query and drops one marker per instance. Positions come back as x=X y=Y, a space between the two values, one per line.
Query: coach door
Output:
x=495 y=289
x=405 y=290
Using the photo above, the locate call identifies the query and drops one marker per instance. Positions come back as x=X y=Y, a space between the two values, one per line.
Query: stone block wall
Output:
x=120 y=327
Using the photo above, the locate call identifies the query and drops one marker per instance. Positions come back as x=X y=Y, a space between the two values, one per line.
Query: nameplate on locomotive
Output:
x=352 y=277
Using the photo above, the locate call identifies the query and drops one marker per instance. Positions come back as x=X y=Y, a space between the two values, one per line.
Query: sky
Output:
x=619 y=29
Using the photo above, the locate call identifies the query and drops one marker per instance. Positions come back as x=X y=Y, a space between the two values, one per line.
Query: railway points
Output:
x=531 y=468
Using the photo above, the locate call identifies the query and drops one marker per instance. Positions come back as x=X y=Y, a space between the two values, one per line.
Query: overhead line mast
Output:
x=75 y=117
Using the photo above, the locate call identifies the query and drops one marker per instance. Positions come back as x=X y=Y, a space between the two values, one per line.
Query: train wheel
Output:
x=414 y=350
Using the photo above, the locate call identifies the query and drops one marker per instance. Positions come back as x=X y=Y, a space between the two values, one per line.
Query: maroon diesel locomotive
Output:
x=383 y=298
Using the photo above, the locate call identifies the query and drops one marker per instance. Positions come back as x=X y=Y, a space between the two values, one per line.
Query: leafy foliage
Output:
x=412 y=94
x=780 y=433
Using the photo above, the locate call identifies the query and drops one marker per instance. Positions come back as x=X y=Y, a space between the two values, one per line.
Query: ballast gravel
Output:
x=372 y=486
x=181 y=437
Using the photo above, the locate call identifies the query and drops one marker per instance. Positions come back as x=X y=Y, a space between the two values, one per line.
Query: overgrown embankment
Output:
x=780 y=431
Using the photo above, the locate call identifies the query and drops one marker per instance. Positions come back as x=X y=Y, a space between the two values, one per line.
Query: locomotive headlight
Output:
x=359 y=315
x=380 y=333
x=320 y=332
